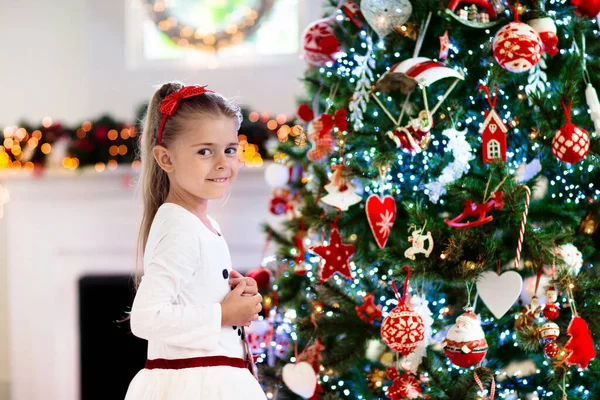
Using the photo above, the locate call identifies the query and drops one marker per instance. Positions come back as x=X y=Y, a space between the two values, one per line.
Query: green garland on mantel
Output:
x=101 y=143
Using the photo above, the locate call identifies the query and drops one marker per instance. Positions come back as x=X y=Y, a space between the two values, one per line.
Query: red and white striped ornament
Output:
x=523 y=223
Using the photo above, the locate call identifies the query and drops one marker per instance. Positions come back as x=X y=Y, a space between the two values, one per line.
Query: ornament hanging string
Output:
x=491 y=101
x=469 y=290
x=487 y=198
x=382 y=172
x=421 y=37
x=586 y=74
x=384 y=108
x=492 y=388
x=407 y=268
x=567 y=110
x=310 y=341
x=553 y=259
x=523 y=222
x=515 y=9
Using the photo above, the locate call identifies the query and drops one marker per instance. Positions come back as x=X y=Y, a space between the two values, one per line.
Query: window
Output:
x=276 y=39
x=493 y=149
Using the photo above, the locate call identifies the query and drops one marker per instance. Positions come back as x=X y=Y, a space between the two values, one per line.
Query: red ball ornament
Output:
x=405 y=386
x=551 y=311
x=262 y=276
x=319 y=42
x=549 y=331
x=517 y=47
x=589 y=8
x=551 y=349
x=403 y=329
x=278 y=205
x=570 y=143
x=465 y=343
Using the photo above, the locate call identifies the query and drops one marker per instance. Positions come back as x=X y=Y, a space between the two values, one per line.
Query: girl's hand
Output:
x=235 y=278
x=238 y=309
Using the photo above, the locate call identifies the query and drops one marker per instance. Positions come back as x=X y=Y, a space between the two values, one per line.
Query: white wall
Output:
x=67 y=59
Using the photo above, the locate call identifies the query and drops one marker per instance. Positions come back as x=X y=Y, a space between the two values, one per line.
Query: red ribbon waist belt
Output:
x=181 y=363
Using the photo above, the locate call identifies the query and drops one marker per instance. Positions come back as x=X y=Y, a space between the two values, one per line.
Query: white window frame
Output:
x=493 y=149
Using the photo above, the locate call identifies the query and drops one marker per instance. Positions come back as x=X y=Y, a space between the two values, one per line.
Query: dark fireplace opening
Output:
x=110 y=355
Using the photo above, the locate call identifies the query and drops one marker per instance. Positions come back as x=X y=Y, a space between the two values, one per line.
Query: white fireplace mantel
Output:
x=64 y=225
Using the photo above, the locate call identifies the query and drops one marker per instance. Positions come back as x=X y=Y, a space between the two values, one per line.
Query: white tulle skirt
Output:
x=202 y=383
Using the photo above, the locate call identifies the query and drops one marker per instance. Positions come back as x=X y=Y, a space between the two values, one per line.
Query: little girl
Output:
x=184 y=305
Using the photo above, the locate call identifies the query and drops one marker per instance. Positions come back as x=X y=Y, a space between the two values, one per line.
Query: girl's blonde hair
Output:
x=154 y=182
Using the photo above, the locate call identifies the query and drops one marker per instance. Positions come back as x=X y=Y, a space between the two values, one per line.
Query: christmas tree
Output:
x=438 y=205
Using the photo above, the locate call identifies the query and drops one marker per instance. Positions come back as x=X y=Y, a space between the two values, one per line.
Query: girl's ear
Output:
x=163 y=158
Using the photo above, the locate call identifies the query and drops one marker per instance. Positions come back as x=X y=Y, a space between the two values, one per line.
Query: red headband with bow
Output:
x=170 y=103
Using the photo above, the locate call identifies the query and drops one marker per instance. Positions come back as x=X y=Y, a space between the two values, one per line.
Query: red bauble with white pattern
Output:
x=570 y=143
x=403 y=329
x=319 y=42
x=405 y=386
x=465 y=344
x=551 y=349
x=517 y=47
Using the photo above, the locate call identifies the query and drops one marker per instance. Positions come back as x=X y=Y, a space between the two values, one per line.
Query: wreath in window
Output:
x=236 y=20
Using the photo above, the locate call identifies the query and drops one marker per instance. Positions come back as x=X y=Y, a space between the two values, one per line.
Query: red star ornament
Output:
x=335 y=257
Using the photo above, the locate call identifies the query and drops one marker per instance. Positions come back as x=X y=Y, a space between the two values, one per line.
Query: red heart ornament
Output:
x=381 y=214
x=261 y=276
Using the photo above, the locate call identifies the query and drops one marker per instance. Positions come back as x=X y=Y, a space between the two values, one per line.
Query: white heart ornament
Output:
x=300 y=378
x=499 y=292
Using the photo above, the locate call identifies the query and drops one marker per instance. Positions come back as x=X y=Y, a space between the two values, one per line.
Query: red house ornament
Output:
x=493 y=132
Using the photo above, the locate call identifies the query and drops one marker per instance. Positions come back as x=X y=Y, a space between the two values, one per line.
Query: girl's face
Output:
x=204 y=158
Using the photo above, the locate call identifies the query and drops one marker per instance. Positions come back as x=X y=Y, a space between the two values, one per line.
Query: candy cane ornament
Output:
x=492 y=389
x=523 y=222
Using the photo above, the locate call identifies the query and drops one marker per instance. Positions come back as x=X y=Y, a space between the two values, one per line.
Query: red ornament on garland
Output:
x=405 y=386
x=335 y=257
x=589 y=8
x=319 y=42
x=403 y=329
x=551 y=349
x=369 y=311
x=517 y=47
x=580 y=344
x=465 y=344
x=570 y=143
x=381 y=213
